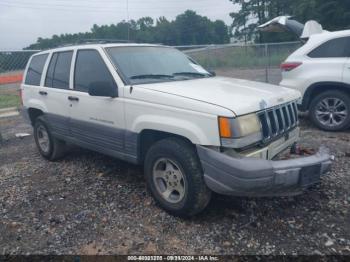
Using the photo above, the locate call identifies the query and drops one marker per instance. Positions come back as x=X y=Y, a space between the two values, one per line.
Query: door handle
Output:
x=73 y=98
x=43 y=93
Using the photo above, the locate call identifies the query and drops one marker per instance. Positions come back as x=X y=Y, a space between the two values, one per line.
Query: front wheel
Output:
x=330 y=111
x=175 y=178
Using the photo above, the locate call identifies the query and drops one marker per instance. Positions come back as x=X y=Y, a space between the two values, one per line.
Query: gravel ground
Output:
x=88 y=203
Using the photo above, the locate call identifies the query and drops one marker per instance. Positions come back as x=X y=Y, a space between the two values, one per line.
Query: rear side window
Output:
x=59 y=70
x=35 y=70
x=334 y=48
x=91 y=70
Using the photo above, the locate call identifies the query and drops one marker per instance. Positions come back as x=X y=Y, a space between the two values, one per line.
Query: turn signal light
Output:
x=225 y=127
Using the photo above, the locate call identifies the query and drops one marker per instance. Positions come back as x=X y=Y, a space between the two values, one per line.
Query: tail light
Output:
x=289 y=66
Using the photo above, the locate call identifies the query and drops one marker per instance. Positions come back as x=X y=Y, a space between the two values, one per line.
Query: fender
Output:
x=37 y=104
x=177 y=126
x=319 y=87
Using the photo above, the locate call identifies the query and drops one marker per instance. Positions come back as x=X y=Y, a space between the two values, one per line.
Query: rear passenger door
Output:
x=96 y=122
x=346 y=72
x=56 y=90
x=32 y=91
x=329 y=59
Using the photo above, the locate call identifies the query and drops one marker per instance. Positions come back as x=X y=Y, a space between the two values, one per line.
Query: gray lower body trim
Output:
x=100 y=149
x=256 y=177
x=115 y=142
x=58 y=124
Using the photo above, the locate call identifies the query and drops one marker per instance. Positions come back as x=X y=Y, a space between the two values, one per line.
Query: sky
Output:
x=23 y=21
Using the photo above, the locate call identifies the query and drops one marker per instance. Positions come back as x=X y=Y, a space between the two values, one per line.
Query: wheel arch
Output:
x=34 y=113
x=318 y=88
x=148 y=137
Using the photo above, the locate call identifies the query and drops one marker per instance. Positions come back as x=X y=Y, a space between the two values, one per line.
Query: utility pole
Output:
x=128 y=19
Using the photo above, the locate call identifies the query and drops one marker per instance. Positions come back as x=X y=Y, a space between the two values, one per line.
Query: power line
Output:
x=87 y=9
x=133 y=1
x=127 y=17
x=54 y=7
x=41 y=5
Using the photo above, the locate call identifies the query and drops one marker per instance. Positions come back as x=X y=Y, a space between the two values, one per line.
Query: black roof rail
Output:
x=95 y=41
x=103 y=41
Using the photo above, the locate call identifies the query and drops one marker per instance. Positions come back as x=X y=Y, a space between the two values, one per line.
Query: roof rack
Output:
x=95 y=41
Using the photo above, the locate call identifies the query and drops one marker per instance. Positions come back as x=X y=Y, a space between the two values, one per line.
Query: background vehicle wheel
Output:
x=175 y=178
x=48 y=146
x=330 y=111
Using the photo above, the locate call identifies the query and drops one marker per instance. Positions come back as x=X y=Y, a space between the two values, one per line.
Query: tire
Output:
x=54 y=149
x=320 y=114
x=174 y=155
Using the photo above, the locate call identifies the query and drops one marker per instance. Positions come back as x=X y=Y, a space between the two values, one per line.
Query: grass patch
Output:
x=9 y=101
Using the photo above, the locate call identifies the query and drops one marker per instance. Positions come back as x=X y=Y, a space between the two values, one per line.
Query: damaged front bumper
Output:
x=257 y=177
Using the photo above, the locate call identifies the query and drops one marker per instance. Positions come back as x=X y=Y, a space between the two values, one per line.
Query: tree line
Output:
x=332 y=14
x=188 y=28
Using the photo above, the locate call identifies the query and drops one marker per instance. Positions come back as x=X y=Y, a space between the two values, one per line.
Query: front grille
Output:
x=278 y=120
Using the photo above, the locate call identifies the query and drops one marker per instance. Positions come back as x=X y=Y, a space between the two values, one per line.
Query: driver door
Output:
x=96 y=123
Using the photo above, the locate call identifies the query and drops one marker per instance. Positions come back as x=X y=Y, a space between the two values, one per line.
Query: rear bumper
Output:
x=256 y=177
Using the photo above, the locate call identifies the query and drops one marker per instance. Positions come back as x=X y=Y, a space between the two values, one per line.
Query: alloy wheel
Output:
x=331 y=112
x=169 y=180
x=43 y=139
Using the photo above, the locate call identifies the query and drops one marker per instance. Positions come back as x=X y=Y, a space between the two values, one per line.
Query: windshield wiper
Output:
x=191 y=74
x=151 y=76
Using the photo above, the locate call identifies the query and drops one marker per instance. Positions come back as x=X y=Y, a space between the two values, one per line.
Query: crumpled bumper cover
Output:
x=257 y=177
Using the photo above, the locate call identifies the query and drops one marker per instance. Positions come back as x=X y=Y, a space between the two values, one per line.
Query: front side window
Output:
x=35 y=70
x=148 y=64
x=59 y=70
x=331 y=49
x=91 y=70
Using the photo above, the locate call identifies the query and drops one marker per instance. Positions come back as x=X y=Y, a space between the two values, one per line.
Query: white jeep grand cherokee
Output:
x=193 y=132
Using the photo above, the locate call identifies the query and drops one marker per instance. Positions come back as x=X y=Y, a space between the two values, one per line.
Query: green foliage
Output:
x=187 y=28
x=332 y=14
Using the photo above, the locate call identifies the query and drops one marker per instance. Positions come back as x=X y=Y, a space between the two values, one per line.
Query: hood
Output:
x=239 y=96
x=285 y=23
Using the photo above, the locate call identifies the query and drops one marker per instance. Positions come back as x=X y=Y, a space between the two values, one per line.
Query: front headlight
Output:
x=239 y=127
x=241 y=131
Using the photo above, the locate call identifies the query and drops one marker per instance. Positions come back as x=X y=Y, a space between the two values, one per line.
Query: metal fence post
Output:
x=267 y=63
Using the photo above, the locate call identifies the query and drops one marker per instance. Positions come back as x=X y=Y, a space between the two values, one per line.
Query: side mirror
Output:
x=105 y=89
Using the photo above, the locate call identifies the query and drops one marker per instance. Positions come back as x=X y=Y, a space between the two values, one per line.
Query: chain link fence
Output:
x=12 y=65
x=14 y=60
x=259 y=62
x=253 y=62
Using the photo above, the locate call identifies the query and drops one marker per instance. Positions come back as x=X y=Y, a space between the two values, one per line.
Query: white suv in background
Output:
x=320 y=70
x=151 y=105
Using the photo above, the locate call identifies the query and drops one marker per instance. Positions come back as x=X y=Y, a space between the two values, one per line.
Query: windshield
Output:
x=147 y=64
